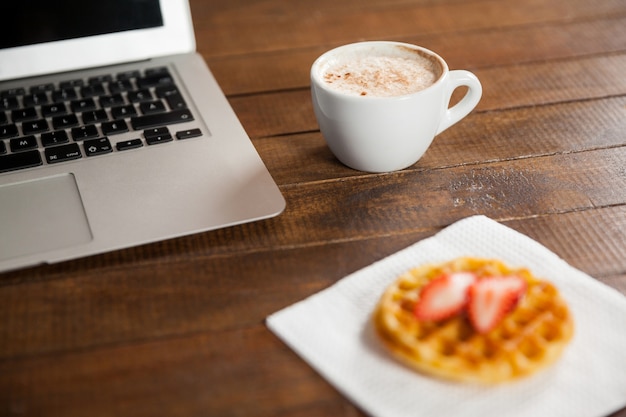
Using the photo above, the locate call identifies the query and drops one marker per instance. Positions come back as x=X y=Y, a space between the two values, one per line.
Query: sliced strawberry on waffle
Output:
x=444 y=296
x=490 y=299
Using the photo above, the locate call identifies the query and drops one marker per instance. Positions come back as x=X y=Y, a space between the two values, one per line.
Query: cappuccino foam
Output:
x=382 y=73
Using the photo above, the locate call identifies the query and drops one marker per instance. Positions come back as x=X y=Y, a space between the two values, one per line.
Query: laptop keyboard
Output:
x=73 y=119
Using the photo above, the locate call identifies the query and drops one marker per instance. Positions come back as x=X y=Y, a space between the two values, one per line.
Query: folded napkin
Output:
x=332 y=331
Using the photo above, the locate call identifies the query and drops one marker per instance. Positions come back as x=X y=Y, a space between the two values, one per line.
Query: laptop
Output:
x=114 y=133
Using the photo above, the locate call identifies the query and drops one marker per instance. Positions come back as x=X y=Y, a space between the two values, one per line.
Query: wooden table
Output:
x=177 y=328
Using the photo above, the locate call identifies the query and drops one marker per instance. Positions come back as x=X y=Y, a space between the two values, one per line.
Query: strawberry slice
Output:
x=444 y=296
x=490 y=299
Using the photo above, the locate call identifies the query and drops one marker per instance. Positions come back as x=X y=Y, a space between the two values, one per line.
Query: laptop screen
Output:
x=40 y=37
x=31 y=22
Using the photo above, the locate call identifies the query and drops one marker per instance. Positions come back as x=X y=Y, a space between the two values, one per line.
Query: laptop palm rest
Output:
x=41 y=215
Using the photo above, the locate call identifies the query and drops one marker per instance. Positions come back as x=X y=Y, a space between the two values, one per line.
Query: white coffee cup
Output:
x=390 y=123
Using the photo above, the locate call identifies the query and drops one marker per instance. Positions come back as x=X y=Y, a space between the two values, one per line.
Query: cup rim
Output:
x=316 y=78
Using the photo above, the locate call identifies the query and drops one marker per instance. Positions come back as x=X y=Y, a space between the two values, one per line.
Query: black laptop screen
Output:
x=27 y=22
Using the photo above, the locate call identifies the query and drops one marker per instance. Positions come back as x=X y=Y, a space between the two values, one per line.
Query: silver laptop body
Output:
x=133 y=187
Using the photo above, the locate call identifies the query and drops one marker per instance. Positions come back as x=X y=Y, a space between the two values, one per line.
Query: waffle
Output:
x=529 y=338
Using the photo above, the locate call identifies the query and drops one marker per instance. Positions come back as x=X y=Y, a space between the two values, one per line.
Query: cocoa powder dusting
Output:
x=383 y=76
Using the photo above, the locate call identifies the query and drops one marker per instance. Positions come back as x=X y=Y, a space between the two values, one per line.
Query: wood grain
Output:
x=481 y=137
x=201 y=368
x=289 y=112
x=275 y=25
x=289 y=69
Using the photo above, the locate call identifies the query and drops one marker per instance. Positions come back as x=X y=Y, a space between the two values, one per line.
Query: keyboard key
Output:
x=8 y=131
x=23 y=143
x=99 y=79
x=112 y=100
x=64 y=94
x=187 y=134
x=24 y=114
x=150 y=72
x=36 y=99
x=63 y=153
x=62 y=122
x=127 y=75
x=128 y=144
x=20 y=160
x=152 y=107
x=166 y=90
x=3 y=147
x=83 y=105
x=172 y=96
x=94 y=116
x=155 y=78
x=54 y=138
x=92 y=90
x=3 y=118
x=161 y=119
x=84 y=132
x=114 y=127
x=159 y=139
x=35 y=126
x=156 y=131
x=139 y=96
x=120 y=86
x=41 y=88
x=51 y=110
x=176 y=102
x=9 y=103
x=97 y=146
x=122 y=112
x=70 y=84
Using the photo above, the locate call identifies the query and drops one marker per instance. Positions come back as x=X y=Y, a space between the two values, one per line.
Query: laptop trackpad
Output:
x=41 y=215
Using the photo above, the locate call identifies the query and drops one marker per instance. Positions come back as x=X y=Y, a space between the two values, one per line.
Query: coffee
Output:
x=367 y=101
x=394 y=71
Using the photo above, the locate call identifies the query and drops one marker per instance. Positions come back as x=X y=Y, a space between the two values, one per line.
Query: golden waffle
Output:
x=529 y=338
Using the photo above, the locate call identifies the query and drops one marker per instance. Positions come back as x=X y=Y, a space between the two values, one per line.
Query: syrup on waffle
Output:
x=528 y=338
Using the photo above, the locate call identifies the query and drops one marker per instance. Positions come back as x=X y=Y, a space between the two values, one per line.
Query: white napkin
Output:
x=332 y=331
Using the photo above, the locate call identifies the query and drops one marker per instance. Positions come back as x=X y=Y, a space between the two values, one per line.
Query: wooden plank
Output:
x=481 y=137
x=530 y=43
x=553 y=82
x=525 y=85
x=199 y=375
x=284 y=70
x=593 y=241
x=412 y=200
x=297 y=8
x=273 y=26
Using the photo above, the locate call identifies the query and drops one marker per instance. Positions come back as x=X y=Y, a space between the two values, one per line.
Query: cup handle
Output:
x=459 y=78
